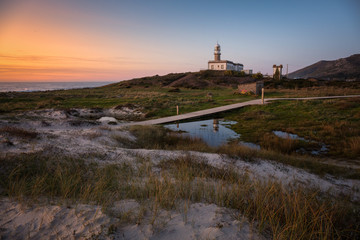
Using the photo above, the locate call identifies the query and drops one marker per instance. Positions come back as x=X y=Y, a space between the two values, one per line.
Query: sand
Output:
x=20 y=221
x=200 y=221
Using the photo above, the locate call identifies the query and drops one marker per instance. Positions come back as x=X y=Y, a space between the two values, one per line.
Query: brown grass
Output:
x=354 y=146
x=235 y=150
x=315 y=91
x=282 y=212
x=19 y=132
x=275 y=143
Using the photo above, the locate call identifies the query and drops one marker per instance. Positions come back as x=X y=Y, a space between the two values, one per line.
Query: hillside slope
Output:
x=192 y=80
x=340 y=69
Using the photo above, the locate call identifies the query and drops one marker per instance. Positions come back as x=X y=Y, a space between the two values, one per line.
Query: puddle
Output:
x=286 y=135
x=322 y=150
x=214 y=132
x=250 y=145
x=217 y=132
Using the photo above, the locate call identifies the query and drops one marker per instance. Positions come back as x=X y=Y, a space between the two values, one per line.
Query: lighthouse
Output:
x=217 y=53
x=222 y=65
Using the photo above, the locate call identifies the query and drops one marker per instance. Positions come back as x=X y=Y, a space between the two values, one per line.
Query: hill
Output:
x=340 y=69
x=193 y=80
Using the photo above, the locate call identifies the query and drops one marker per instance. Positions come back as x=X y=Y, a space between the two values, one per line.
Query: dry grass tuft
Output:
x=275 y=143
x=354 y=146
x=233 y=149
x=19 y=132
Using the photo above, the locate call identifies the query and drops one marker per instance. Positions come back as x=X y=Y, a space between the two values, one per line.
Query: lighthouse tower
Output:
x=217 y=53
x=222 y=65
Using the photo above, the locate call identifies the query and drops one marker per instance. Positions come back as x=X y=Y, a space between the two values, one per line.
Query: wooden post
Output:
x=177 y=109
x=262 y=95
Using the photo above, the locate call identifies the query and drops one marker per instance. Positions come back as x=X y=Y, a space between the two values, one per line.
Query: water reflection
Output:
x=216 y=125
x=286 y=135
x=214 y=132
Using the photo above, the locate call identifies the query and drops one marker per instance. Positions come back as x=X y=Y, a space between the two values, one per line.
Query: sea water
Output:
x=45 y=86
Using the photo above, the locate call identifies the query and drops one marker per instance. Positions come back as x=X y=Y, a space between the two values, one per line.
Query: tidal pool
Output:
x=212 y=131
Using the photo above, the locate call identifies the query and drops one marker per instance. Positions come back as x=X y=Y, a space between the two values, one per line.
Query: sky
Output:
x=113 y=40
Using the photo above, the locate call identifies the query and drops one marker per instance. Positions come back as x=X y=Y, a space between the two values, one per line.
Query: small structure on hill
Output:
x=218 y=64
x=251 y=88
x=277 y=71
x=248 y=71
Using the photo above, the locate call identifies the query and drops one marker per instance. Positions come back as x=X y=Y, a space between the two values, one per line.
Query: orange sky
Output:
x=59 y=43
x=112 y=40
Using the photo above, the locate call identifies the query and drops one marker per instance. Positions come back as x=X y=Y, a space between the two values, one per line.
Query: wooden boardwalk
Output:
x=222 y=109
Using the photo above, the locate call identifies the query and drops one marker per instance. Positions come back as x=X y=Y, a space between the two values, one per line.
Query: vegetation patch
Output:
x=333 y=122
x=309 y=88
x=278 y=211
x=158 y=96
x=158 y=137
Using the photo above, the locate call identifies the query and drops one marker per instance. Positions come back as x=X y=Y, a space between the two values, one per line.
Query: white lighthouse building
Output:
x=218 y=64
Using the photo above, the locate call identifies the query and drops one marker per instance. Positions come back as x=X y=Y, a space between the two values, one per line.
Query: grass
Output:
x=286 y=146
x=354 y=146
x=157 y=137
x=278 y=211
x=310 y=88
x=281 y=212
x=154 y=100
x=334 y=122
x=157 y=98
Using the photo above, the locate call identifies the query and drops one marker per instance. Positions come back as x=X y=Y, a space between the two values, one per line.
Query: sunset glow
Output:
x=48 y=40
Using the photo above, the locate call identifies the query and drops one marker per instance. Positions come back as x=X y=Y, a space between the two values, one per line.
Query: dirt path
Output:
x=222 y=109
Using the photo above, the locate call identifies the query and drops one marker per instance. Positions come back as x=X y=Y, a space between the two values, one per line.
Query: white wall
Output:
x=217 y=66
x=224 y=66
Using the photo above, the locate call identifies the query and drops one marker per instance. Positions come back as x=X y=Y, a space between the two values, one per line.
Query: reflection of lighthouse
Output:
x=216 y=125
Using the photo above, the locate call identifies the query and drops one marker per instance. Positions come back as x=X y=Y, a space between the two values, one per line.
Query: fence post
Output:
x=262 y=95
x=177 y=109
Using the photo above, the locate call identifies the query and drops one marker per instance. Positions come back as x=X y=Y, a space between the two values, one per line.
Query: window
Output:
x=212 y=67
x=222 y=66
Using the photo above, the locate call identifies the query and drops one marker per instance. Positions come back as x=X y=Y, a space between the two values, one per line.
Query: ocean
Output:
x=45 y=86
